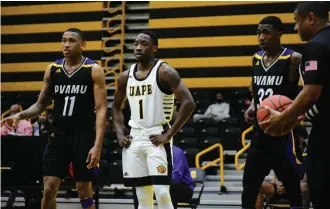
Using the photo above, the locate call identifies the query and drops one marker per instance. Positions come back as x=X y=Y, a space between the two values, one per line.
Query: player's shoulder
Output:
x=258 y=54
x=295 y=57
x=165 y=67
x=57 y=63
x=287 y=52
x=89 y=62
x=124 y=75
x=166 y=72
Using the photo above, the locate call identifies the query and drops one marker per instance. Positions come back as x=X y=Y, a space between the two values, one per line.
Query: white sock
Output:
x=145 y=197
x=163 y=196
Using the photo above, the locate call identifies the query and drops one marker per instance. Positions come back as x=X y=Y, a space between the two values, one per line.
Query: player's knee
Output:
x=84 y=190
x=162 y=193
x=50 y=188
x=49 y=193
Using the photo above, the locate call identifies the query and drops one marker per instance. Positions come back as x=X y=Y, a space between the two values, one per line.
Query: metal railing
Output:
x=245 y=147
x=209 y=164
x=113 y=34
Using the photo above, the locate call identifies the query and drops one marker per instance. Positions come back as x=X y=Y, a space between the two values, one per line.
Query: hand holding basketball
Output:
x=269 y=115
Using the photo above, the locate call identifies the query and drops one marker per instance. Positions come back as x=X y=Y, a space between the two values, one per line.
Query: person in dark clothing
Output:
x=312 y=24
x=275 y=72
x=182 y=186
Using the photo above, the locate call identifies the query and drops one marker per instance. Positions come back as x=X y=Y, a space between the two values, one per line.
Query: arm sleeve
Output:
x=316 y=63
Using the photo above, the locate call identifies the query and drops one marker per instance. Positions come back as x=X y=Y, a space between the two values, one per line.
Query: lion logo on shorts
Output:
x=161 y=169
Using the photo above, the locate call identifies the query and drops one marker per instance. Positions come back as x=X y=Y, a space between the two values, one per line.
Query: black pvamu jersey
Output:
x=73 y=94
x=274 y=79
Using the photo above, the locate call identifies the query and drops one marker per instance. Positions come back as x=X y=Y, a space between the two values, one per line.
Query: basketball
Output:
x=275 y=102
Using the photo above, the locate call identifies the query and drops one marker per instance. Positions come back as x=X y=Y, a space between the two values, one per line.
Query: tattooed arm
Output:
x=42 y=103
x=170 y=81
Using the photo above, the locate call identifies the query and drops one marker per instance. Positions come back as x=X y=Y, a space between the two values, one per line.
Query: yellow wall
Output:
x=31 y=35
x=211 y=43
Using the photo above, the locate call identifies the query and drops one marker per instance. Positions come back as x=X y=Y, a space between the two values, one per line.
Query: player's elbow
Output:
x=191 y=105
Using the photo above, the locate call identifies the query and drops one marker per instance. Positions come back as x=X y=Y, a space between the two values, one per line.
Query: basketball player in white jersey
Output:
x=150 y=86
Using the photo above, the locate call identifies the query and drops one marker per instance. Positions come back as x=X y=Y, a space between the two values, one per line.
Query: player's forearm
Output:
x=101 y=117
x=303 y=102
x=252 y=103
x=185 y=111
x=33 y=111
x=118 y=121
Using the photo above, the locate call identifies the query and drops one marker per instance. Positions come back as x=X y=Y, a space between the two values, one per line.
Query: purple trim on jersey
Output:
x=59 y=62
x=287 y=52
x=261 y=52
x=89 y=61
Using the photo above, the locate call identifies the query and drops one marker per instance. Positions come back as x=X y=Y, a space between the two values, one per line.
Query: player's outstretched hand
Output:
x=125 y=141
x=158 y=139
x=93 y=157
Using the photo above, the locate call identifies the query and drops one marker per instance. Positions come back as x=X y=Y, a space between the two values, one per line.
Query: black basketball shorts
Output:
x=66 y=147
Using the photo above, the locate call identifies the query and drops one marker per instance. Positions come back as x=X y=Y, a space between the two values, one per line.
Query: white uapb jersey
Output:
x=150 y=106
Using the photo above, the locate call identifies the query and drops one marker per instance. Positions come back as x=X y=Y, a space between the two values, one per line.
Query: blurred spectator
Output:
x=42 y=127
x=215 y=112
x=182 y=186
x=18 y=127
x=275 y=190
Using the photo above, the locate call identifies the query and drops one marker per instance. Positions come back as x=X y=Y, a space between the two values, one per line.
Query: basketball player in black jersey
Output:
x=77 y=85
x=312 y=24
x=275 y=71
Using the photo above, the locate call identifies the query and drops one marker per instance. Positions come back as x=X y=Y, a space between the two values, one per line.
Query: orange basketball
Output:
x=275 y=102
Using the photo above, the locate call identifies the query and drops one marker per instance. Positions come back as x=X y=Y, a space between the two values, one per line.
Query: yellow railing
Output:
x=113 y=34
x=220 y=159
x=243 y=137
x=245 y=147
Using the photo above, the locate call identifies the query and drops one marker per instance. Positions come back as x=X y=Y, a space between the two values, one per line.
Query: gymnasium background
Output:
x=209 y=43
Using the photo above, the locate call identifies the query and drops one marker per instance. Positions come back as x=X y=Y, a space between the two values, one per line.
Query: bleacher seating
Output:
x=190 y=154
x=198 y=175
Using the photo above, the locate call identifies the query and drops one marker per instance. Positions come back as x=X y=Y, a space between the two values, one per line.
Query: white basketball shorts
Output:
x=144 y=163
